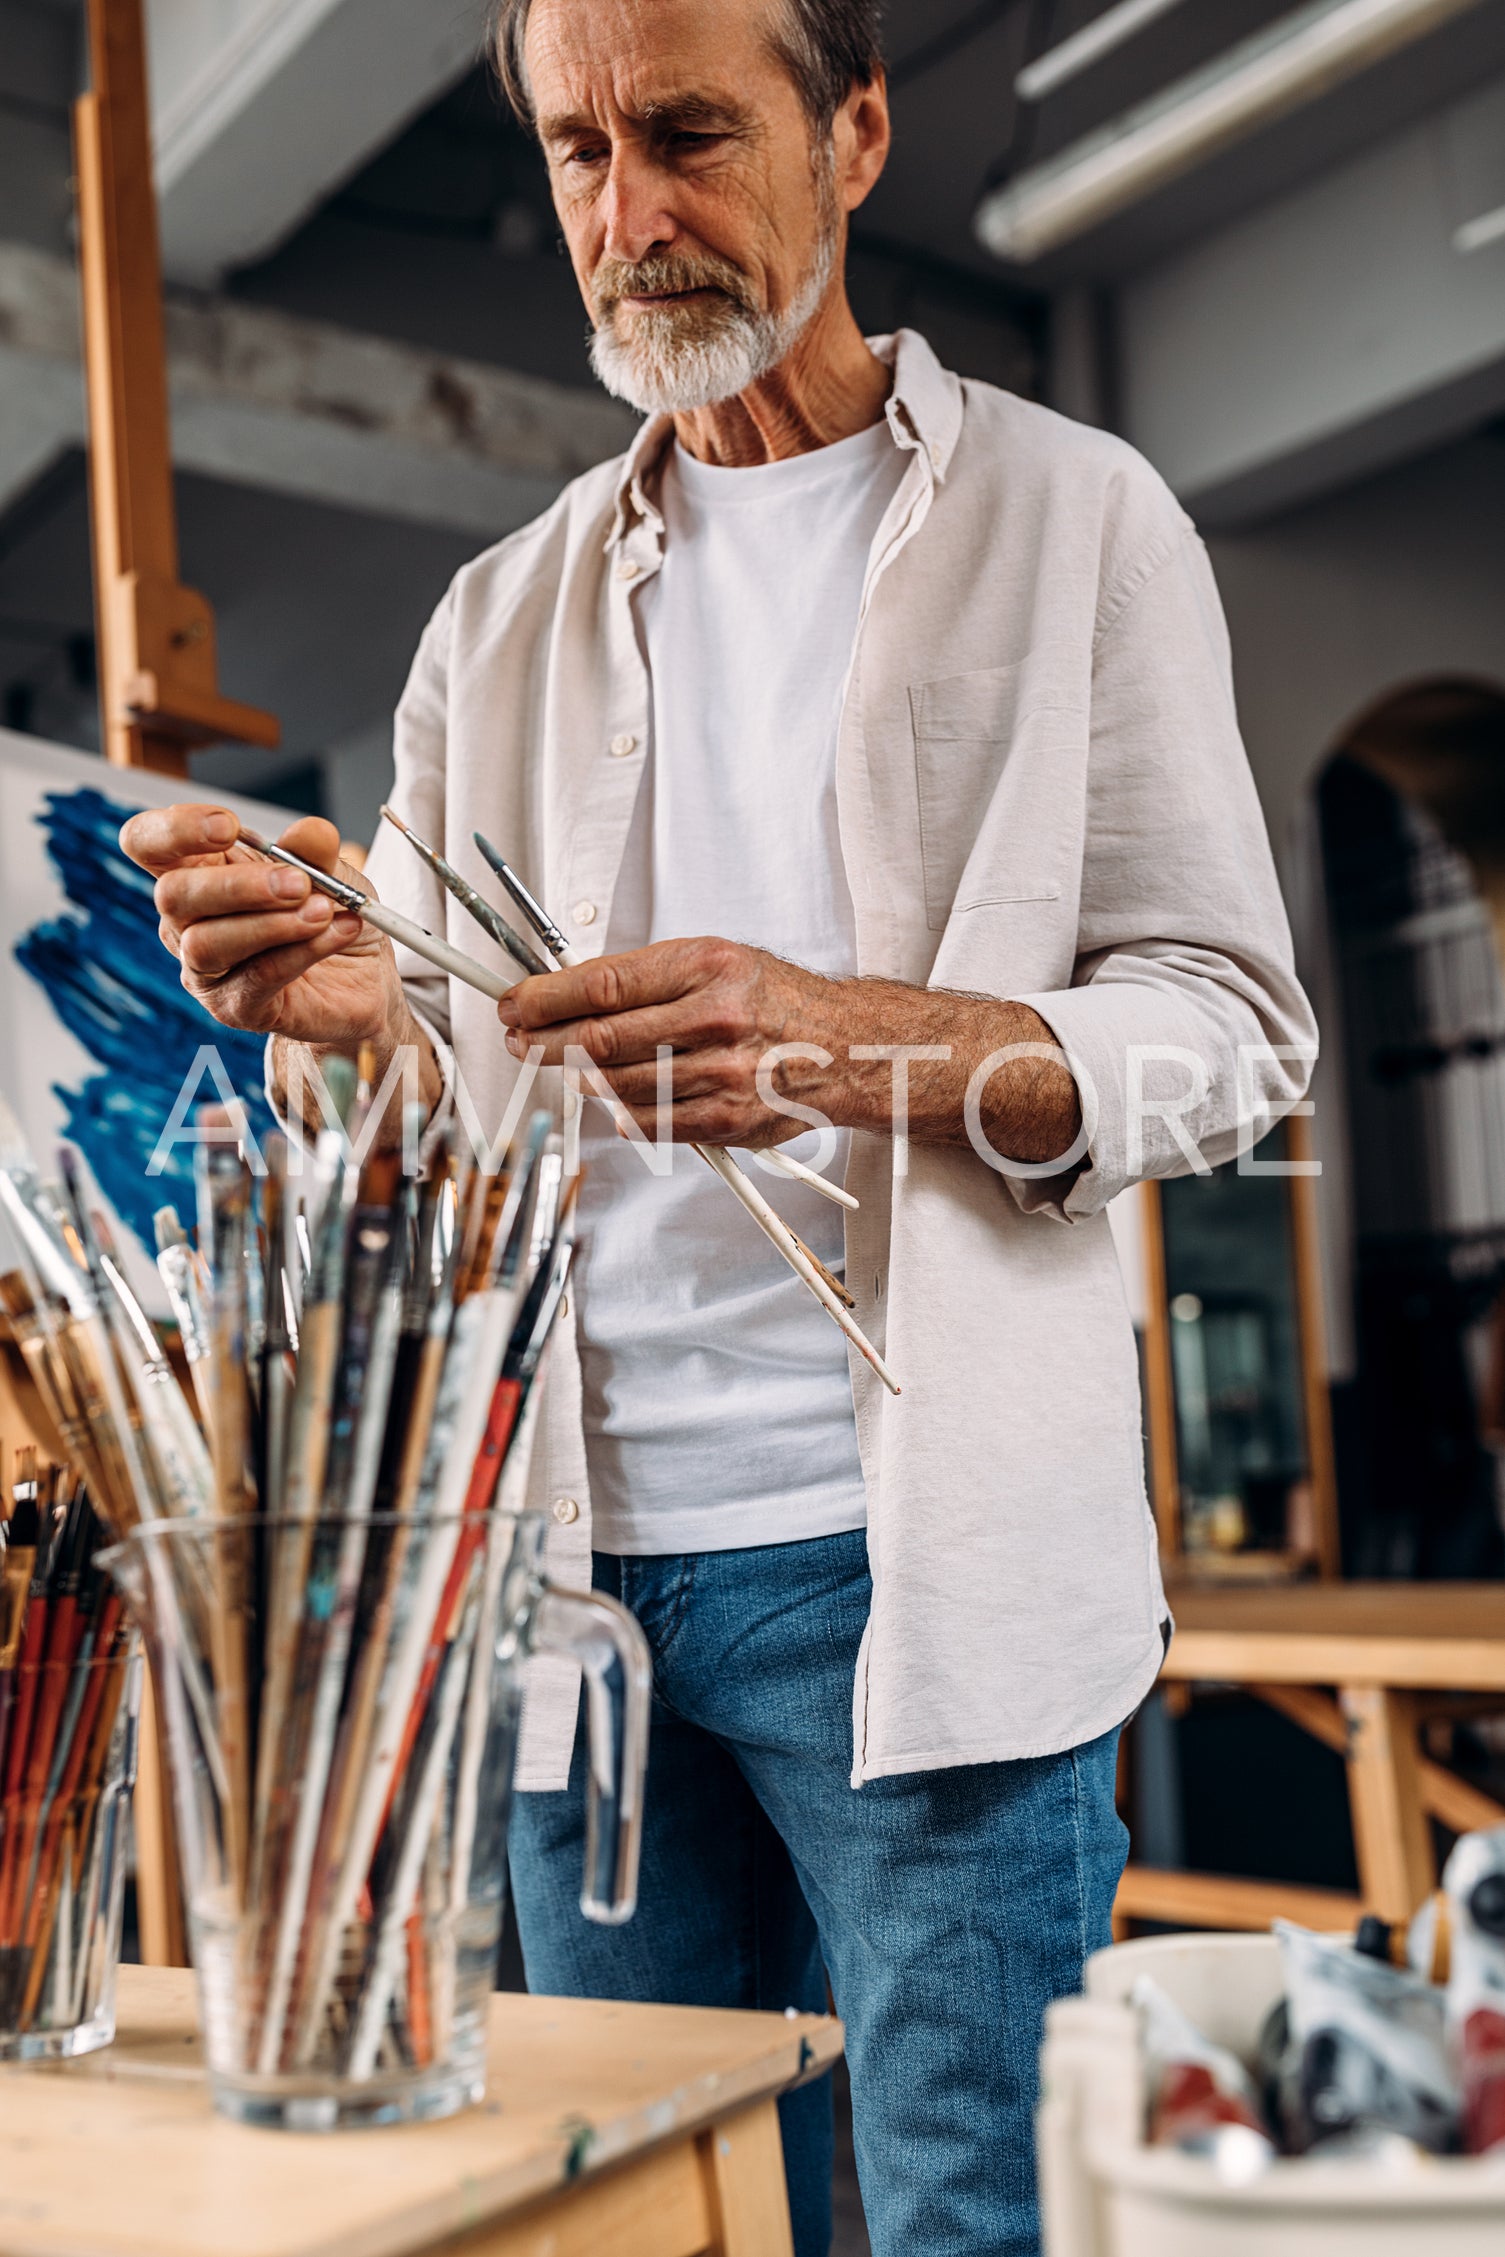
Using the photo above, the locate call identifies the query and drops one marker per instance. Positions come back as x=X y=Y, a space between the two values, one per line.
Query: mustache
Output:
x=616 y=279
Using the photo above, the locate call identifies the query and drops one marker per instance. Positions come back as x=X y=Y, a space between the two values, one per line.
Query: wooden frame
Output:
x=1160 y=1386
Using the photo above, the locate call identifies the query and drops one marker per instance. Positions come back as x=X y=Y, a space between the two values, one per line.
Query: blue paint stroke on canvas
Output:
x=116 y=989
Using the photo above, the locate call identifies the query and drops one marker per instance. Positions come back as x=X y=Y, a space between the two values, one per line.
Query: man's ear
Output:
x=861 y=134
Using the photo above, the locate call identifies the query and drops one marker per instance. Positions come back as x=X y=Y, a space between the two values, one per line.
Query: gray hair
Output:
x=827 y=46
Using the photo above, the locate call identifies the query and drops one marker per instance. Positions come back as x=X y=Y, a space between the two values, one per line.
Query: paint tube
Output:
x=1367 y=2048
x=1474 y=1882
x=1201 y=2099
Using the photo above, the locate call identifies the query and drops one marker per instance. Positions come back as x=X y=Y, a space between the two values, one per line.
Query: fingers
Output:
x=212 y=947
x=228 y=889
x=633 y=981
x=313 y=840
x=688 y=1079
x=631 y=1038
x=162 y=838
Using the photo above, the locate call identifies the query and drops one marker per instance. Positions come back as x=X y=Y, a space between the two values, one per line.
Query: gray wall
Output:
x=1333 y=605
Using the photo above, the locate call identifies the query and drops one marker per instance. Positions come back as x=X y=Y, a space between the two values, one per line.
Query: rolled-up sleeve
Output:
x=1185 y=1024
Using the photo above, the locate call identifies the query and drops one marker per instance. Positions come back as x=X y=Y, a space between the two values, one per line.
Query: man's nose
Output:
x=635 y=208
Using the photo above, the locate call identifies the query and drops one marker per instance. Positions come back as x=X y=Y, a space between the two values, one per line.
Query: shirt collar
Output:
x=924 y=410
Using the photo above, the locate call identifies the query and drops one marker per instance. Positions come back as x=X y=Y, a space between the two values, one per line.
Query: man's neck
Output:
x=827 y=387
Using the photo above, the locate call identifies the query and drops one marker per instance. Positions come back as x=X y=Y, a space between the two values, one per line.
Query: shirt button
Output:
x=565 y=1510
x=935 y=454
x=622 y=746
x=584 y=912
x=628 y=568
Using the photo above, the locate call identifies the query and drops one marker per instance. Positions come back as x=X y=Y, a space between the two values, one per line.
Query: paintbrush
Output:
x=224 y=1201
x=181 y=1273
x=476 y=1343
x=283 y=1731
x=782 y=1163
x=17 y=1567
x=397 y=928
x=101 y=1429
x=372 y=1320
x=376 y=1996
x=427 y=1318
x=176 y=1448
x=506 y=936
x=769 y=1222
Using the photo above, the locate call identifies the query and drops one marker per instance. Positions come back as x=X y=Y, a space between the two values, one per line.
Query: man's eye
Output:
x=585 y=156
x=690 y=144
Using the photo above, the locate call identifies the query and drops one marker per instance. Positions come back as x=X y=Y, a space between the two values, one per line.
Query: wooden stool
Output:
x=1351 y=1663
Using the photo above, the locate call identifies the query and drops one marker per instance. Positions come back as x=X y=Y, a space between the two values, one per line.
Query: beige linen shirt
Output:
x=1042 y=796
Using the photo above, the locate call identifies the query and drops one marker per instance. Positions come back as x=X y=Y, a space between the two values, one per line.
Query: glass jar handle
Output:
x=607 y=1643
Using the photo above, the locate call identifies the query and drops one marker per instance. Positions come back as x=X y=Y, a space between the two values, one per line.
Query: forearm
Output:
x=1027 y=1106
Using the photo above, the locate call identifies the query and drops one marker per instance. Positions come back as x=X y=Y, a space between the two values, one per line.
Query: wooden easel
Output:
x=159 y=694
x=158 y=680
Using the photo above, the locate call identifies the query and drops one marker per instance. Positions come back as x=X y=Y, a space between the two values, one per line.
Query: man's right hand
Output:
x=260 y=948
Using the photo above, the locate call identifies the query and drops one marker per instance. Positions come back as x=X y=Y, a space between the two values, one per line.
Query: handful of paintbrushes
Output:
x=67 y=1759
x=319 y=1572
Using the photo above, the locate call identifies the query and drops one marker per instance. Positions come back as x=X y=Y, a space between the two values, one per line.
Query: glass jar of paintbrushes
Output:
x=342 y=1696
x=338 y=1584
x=69 y=1697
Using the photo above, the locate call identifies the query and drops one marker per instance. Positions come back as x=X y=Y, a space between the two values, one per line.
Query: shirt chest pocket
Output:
x=964 y=728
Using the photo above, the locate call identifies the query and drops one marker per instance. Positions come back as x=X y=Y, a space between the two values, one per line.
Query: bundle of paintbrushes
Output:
x=68 y=1699
x=326 y=1576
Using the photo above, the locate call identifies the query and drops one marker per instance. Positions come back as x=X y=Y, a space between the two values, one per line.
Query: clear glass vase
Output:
x=341 y=1700
x=64 y=1830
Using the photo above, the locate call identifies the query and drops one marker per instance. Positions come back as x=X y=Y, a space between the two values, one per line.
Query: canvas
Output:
x=97 y=1035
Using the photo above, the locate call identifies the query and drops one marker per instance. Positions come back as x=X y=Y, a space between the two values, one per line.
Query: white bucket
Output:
x=1105 y=2193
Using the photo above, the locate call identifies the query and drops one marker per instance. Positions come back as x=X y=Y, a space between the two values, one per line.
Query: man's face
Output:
x=702 y=223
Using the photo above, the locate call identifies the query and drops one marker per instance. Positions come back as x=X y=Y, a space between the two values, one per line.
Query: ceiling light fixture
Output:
x=1475 y=234
x=1088 y=46
x=1262 y=78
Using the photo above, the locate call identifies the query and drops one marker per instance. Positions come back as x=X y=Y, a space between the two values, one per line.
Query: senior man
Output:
x=917 y=698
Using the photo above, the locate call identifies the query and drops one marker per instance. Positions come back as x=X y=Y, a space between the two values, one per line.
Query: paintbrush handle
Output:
x=797 y=1172
x=775 y=1228
x=438 y=952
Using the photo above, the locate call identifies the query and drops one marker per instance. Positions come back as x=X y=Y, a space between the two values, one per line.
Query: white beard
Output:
x=662 y=372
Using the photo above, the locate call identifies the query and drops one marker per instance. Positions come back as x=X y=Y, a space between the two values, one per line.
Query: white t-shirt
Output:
x=718 y=1407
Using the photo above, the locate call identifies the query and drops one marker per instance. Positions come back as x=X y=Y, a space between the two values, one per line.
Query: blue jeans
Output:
x=948 y=1907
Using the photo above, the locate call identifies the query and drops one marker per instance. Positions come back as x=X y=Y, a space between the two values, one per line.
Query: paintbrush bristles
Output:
x=538 y=917
x=472 y=902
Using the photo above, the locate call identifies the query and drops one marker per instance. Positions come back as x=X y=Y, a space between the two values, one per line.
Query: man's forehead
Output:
x=650 y=58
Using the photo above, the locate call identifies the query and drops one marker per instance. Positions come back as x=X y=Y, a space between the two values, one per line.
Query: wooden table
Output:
x=1353 y=1664
x=607 y=2131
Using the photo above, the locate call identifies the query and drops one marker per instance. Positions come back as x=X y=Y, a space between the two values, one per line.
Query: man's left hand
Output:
x=719 y=1006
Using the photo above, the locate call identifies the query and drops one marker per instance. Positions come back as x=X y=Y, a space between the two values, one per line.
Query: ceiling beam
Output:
x=299 y=407
x=262 y=107
x=1331 y=333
